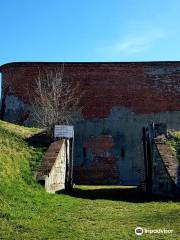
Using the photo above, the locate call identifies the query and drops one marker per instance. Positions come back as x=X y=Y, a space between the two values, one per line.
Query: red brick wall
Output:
x=108 y=84
x=103 y=170
x=104 y=167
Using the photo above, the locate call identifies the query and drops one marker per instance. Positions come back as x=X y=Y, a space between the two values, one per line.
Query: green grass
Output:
x=28 y=212
x=174 y=143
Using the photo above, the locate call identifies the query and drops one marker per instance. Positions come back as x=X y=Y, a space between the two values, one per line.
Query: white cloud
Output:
x=132 y=44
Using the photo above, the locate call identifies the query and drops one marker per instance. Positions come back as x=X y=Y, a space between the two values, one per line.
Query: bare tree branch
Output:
x=54 y=100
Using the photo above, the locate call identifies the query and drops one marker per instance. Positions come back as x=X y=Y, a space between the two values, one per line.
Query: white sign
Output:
x=63 y=131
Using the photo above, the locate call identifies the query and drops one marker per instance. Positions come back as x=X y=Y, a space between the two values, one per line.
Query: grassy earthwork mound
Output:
x=28 y=212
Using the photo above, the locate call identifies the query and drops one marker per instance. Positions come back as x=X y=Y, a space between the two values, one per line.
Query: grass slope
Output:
x=28 y=212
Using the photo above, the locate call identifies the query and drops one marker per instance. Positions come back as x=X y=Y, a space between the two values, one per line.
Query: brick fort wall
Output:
x=120 y=99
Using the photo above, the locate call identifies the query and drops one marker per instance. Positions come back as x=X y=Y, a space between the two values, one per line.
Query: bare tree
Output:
x=55 y=100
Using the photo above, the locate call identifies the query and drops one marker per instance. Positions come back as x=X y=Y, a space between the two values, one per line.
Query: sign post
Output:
x=63 y=131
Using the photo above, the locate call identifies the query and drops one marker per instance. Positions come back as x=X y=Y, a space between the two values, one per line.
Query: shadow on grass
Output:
x=39 y=140
x=133 y=195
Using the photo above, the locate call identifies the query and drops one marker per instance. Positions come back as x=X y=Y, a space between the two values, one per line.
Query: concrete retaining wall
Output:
x=166 y=169
x=53 y=168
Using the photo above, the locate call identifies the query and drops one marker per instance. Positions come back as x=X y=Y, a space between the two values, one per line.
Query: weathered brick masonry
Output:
x=132 y=85
x=120 y=99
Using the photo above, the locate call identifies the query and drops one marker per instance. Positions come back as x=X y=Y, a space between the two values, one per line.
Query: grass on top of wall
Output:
x=96 y=212
x=174 y=143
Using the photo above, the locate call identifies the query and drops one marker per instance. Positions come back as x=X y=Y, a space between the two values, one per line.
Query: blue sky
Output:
x=89 y=30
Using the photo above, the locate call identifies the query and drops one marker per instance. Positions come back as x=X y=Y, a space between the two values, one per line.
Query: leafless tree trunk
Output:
x=55 y=100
